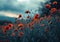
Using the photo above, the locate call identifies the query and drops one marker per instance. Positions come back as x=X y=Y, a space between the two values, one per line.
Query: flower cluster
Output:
x=36 y=29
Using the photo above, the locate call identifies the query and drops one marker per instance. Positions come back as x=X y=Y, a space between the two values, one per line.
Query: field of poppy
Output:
x=43 y=27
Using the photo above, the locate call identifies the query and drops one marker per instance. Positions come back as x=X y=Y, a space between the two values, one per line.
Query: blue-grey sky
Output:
x=12 y=8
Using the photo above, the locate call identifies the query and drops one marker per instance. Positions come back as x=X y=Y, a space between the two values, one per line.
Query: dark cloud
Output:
x=10 y=5
x=14 y=5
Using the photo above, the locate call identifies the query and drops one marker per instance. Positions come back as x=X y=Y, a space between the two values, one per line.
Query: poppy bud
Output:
x=27 y=11
x=20 y=16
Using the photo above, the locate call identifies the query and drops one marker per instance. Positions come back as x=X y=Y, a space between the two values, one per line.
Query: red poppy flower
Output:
x=20 y=34
x=20 y=25
x=4 y=27
x=7 y=28
x=21 y=28
x=15 y=30
x=53 y=10
x=47 y=6
x=55 y=2
x=36 y=16
x=10 y=25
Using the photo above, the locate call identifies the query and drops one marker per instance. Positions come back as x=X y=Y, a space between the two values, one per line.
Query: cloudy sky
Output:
x=12 y=8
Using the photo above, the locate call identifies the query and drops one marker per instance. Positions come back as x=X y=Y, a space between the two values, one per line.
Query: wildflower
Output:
x=55 y=2
x=53 y=10
x=20 y=34
x=36 y=16
x=21 y=28
x=15 y=30
x=20 y=25
x=47 y=6
x=10 y=25
x=7 y=28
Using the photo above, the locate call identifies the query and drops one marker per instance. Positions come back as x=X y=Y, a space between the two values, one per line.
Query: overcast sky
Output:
x=11 y=8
